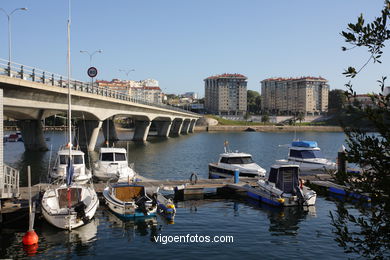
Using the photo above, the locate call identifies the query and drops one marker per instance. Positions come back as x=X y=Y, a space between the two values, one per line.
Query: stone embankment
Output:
x=267 y=128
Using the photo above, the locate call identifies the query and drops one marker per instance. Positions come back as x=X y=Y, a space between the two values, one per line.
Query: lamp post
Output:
x=127 y=72
x=9 y=34
x=91 y=55
x=90 y=59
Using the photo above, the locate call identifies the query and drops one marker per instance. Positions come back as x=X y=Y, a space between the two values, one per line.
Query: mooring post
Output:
x=236 y=176
x=342 y=160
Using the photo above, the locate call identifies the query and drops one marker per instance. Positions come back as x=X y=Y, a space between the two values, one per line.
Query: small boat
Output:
x=81 y=174
x=229 y=162
x=283 y=188
x=129 y=200
x=13 y=138
x=113 y=163
x=69 y=206
x=308 y=156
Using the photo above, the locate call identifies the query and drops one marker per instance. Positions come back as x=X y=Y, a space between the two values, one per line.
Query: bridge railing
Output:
x=33 y=74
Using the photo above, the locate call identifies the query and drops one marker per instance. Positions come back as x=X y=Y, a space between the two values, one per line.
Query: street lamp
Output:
x=91 y=55
x=127 y=72
x=9 y=34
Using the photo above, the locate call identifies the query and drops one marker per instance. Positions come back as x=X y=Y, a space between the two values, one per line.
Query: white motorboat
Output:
x=129 y=201
x=69 y=206
x=229 y=162
x=113 y=164
x=81 y=174
x=283 y=188
x=308 y=156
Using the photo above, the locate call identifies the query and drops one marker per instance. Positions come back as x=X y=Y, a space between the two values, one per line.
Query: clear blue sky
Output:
x=181 y=42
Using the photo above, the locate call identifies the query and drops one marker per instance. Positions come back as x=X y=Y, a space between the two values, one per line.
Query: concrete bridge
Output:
x=30 y=95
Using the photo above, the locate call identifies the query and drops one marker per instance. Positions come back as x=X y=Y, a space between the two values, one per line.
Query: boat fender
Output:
x=79 y=208
x=300 y=183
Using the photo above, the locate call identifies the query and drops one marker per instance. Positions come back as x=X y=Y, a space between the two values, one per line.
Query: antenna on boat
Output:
x=226 y=146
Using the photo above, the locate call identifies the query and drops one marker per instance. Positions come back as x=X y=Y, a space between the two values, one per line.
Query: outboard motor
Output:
x=141 y=203
x=79 y=208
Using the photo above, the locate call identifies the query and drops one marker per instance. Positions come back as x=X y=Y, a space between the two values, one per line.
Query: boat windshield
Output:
x=306 y=154
x=109 y=157
x=77 y=159
x=237 y=160
x=120 y=157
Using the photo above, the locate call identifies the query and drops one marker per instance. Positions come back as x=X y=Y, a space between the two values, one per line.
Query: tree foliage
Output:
x=368 y=233
x=336 y=101
x=254 y=102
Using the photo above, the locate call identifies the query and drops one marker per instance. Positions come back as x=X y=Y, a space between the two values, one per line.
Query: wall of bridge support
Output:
x=163 y=128
x=87 y=133
x=32 y=133
x=2 y=143
x=192 y=126
x=110 y=131
x=176 y=127
x=141 y=130
x=185 y=127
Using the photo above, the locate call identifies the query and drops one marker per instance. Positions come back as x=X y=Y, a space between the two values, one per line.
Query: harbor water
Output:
x=254 y=230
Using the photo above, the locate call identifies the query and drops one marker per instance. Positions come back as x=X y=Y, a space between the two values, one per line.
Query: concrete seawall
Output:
x=268 y=128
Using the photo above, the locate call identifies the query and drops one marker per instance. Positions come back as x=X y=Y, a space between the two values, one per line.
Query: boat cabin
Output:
x=113 y=155
x=285 y=177
x=305 y=150
x=236 y=158
x=77 y=157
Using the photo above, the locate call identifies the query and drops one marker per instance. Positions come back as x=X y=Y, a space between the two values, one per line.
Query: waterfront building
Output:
x=147 y=90
x=287 y=96
x=226 y=94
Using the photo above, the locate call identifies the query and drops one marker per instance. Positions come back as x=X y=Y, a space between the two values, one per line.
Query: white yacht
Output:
x=69 y=206
x=230 y=161
x=283 y=188
x=113 y=163
x=308 y=156
x=81 y=174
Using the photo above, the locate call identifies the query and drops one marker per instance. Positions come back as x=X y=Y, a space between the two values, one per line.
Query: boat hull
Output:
x=216 y=172
x=126 y=210
x=61 y=216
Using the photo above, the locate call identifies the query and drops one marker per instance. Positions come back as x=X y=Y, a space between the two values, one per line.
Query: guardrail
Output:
x=9 y=184
x=24 y=72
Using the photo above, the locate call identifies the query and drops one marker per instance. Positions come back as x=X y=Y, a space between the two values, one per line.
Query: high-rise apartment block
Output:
x=286 y=96
x=226 y=94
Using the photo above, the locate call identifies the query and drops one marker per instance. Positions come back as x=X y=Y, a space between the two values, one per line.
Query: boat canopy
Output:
x=305 y=154
x=285 y=178
x=307 y=144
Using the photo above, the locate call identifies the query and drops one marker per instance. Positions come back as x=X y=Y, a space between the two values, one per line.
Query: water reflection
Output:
x=131 y=228
x=284 y=221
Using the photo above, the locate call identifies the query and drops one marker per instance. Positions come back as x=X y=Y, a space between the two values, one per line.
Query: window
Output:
x=120 y=157
x=108 y=157
x=224 y=160
x=77 y=159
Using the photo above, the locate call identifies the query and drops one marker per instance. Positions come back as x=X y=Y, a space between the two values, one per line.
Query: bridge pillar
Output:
x=163 y=128
x=176 y=127
x=32 y=134
x=112 y=134
x=87 y=133
x=141 y=130
x=192 y=126
x=185 y=127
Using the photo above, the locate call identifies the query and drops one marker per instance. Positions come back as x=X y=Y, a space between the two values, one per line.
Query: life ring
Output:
x=194 y=178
